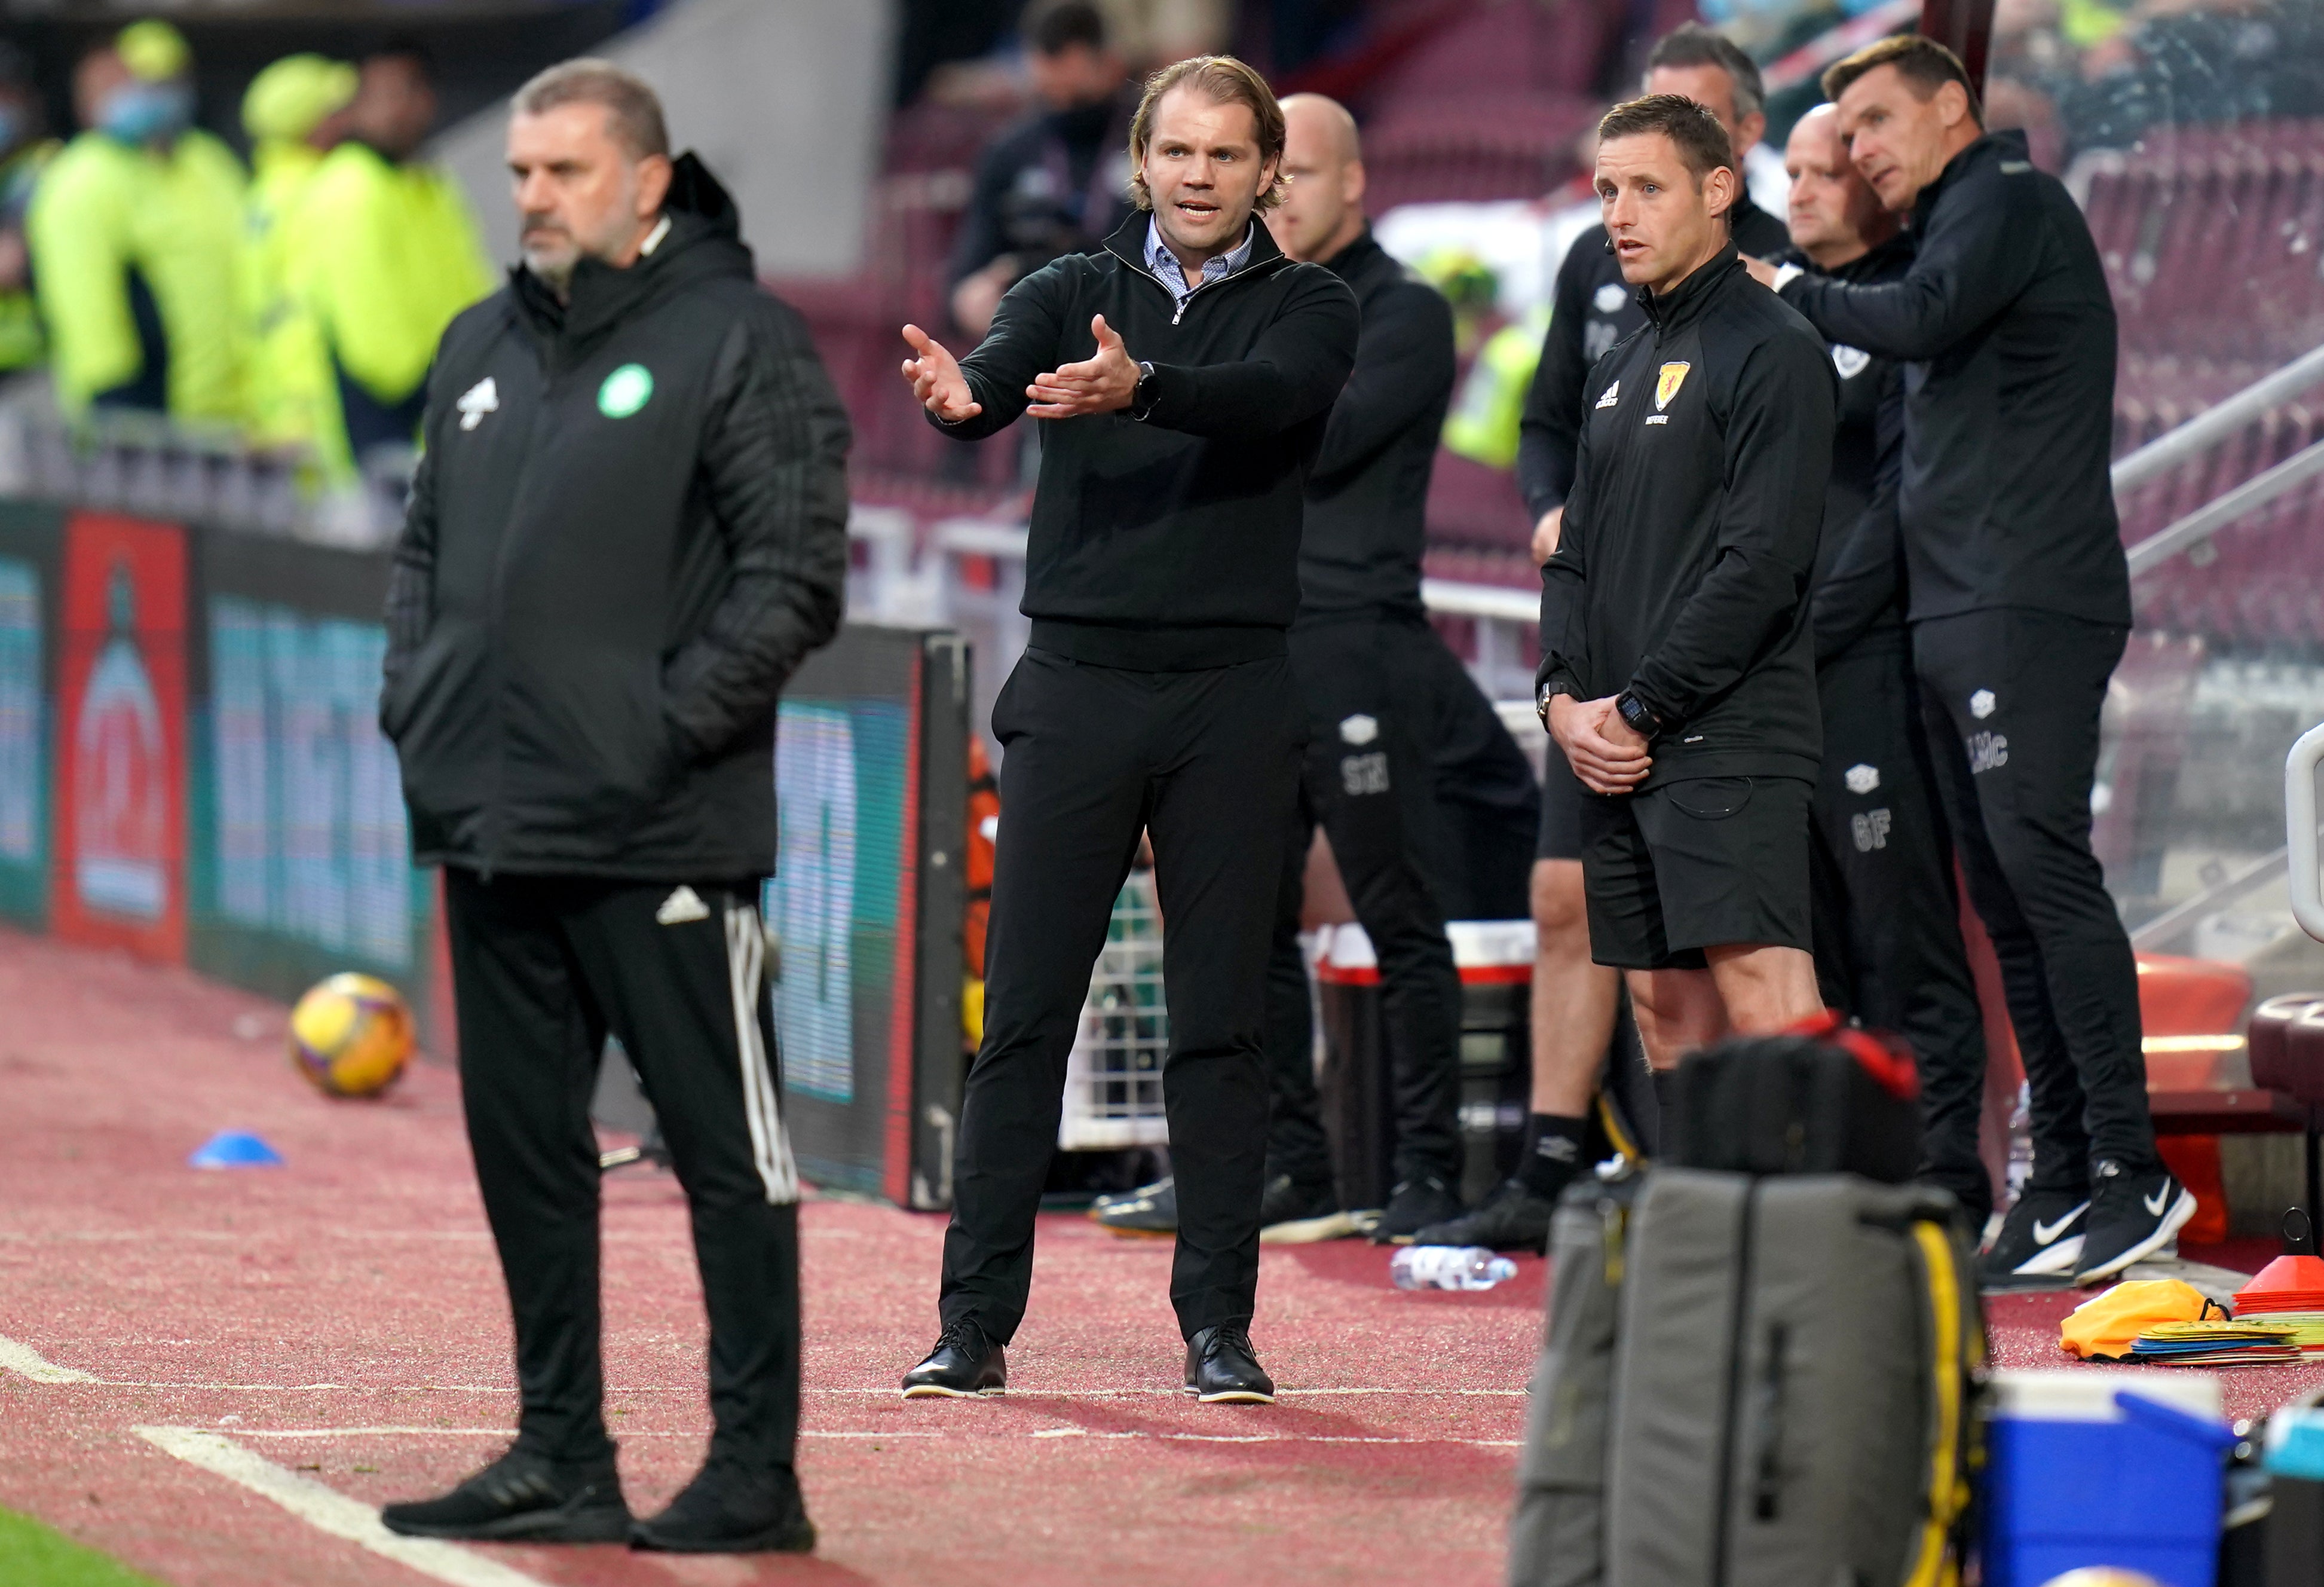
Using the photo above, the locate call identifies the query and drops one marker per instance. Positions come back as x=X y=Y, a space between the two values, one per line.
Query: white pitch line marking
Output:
x=873 y=1434
x=26 y=1361
x=69 y=1376
x=328 y=1510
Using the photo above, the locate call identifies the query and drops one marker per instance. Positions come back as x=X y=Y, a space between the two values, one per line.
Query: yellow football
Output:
x=351 y=1035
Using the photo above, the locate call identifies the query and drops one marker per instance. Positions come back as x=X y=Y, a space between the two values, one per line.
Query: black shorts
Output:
x=1699 y=863
x=1561 y=794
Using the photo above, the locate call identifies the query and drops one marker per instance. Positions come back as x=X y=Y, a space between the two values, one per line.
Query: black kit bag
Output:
x=1826 y=1099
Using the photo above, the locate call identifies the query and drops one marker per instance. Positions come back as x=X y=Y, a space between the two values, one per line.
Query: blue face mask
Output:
x=139 y=113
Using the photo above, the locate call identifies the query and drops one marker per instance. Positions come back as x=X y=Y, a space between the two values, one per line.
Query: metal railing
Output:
x=2209 y=429
x=970 y=573
x=2300 y=830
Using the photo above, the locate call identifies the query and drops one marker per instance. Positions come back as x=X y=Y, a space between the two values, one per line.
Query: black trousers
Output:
x=542 y=968
x=1205 y=763
x=1888 y=919
x=1394 y=726
x=2011 y=698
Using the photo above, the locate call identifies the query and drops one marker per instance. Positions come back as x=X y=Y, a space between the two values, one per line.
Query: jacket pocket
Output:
x=1710 y=799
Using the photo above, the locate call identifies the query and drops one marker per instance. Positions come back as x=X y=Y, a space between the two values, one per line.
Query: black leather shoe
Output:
x=1222 y=1366
x=731 y=1508
x=523 y=1497
x=965 y=1363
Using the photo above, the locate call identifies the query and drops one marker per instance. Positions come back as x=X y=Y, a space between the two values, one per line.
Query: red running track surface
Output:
x=342 y=1317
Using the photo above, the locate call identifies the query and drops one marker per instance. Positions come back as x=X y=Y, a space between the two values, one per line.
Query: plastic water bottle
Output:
x=1448 y=1267
x=2021 y=1143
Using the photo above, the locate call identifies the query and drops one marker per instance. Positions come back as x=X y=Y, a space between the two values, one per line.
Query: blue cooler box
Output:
x=2118 y=1467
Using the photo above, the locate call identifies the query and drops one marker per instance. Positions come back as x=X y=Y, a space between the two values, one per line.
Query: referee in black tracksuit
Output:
x=1887 y=929
x=2020 y=607
x=1185 y=374
x=1593 y=309
x=1576 y=1008
x=628 y=528
x=1676 y=672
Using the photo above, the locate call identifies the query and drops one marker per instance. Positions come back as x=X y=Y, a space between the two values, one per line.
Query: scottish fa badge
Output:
x=1666 y=384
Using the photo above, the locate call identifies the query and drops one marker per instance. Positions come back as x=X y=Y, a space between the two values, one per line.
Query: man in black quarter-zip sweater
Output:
x=1677 y=671
x=1185 y=375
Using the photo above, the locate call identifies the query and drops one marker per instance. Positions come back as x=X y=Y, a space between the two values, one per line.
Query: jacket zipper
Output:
x=1178 y=310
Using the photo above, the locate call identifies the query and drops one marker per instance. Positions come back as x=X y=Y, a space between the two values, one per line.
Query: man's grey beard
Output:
x=556 y=274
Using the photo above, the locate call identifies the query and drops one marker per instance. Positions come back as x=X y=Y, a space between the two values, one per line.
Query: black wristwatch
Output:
x=1634 y=711
x=1141 y=395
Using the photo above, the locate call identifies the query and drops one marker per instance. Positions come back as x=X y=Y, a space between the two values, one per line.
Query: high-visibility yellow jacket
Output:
x=1485 y=416
x=382 y=256
x=23 y=342
x=291 y=400
x=137 y=262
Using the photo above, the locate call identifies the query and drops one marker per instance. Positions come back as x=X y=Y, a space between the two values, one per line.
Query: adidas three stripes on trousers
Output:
x=542 y=969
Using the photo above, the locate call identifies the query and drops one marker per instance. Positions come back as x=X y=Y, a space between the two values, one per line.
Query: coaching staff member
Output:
x=1184 y=375
x=1384 y=696
x=1677 y=671
x=628 y=528
x=1887 y=928
x=2020 y=609
x=1575 y=1002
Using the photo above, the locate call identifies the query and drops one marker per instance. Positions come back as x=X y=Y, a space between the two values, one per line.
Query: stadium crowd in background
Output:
x=295 y=308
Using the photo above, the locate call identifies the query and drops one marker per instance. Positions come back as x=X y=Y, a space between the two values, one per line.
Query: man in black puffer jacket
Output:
x=627 y=528
x=1185 y=374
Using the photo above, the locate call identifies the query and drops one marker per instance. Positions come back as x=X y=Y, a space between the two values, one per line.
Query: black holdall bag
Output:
x=1825 y=1099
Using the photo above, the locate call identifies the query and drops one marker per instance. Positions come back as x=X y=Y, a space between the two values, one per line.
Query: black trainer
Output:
x=1514 y=1217
x=2132 y=1216
x=523 y=1497
x=1150 y=1211
x=1221 y=1367
x=732 y=1509
x=1414 y=1206
x=1292 y=1214
x=964 y=1362
x=2041 y=1237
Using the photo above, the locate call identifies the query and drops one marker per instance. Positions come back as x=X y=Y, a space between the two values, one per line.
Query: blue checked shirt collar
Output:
x=1164 y=264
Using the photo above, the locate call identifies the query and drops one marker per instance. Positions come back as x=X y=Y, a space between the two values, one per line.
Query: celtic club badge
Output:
x=625 y=390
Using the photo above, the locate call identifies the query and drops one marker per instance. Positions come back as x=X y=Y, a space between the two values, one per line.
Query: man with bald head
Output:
x=1390 y=712
x=1887 y=929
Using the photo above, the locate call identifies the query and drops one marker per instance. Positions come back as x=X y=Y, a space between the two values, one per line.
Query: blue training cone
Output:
x=235 y=1148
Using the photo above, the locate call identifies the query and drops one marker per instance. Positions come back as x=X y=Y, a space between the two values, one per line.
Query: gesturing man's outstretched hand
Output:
x=1102 y=385
x=937 y=382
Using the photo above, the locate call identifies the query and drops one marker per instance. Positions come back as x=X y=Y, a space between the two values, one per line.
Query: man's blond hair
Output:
x=1223 y=80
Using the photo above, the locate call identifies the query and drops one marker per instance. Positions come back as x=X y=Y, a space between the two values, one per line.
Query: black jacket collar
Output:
x=1992 y=149
x=1873 y=265
x=705 y=241
x=1128 y=244
x=1686 y=300
x=1355 y=258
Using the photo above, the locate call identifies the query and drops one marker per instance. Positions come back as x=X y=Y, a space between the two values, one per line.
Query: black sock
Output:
x=1665 y=1083
x=1552 y=1153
